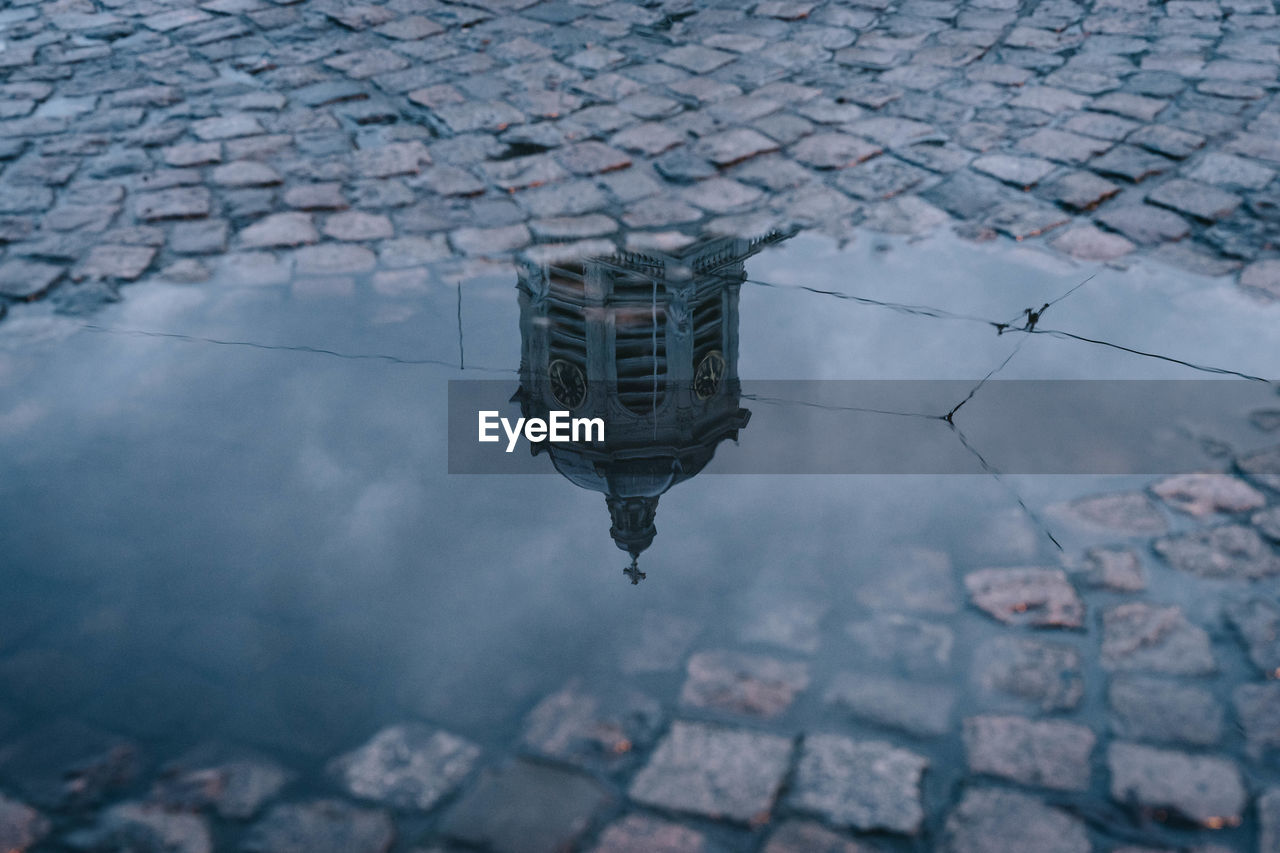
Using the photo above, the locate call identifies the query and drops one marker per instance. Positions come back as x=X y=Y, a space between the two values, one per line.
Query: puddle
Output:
x=229 y=512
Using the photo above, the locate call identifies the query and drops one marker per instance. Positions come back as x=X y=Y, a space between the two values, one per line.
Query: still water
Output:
x=227 y=512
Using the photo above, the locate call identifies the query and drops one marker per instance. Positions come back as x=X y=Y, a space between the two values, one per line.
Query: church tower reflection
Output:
x=648 y=343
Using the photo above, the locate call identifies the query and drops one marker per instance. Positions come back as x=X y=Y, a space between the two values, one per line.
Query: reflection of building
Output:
x=649 y=343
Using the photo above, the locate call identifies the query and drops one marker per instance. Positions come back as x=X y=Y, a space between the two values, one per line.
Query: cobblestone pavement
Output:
x=147 y=136
x=1092 y=715
x=234 y=137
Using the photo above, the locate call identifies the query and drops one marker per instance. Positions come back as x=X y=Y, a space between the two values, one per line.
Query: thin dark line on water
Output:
x=1203 y=368
x=462 y=356
x=782 y=401
x=1029 y=317
x=302 y=348
x=999 y=478
x=950 y=416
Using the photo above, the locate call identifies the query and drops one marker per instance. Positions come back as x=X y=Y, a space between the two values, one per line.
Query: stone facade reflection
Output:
x=648 y=343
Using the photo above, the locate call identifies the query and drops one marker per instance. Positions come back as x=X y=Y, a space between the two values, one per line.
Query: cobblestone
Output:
x=1039 y=597
x=990 y=820
x=738 y=683
x=526 y=808
x=1162 y=711
x=21 y=827
x=919 y=709
x=407 y=766
x=1147 y=637
x=865 y=785
x=642 y=834
x=1233 y=551
x=593 y=729
x=1031 y=674
x=715 y=772
x=1045 y=753
x=321 y=826
x=796 y=836
x=1204 y=789
x=1257 y=707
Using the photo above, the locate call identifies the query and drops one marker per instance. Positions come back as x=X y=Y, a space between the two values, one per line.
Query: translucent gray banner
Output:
x=864 y=427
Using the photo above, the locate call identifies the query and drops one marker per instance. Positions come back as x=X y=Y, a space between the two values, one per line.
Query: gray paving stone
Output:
x=396 y=158
x=1101 y=126
x=866 y=785
x=408 y=766
x=1168 y=141
x=1080 y=191
x=1152 y=709
x=1194 y=199
x=1202 y=495
x=356 y=225
x=1026 y=596
x=1229 y=170
x=1034 y=674
x=279 y=230
x=226 y=127
x=661 y=643
x=1092 y=244
x=595 y=729
x=919 y=709
x=106 y=261
x=1262 y=278
x=21 y=827
x=1143 y=223
x=1204 y=789
x=880 y=178
x=145 y=826
x=1261 y=467
x=1269 y=820
x=234 y=783
x=568 y=198
x=486 y=116
x=1131 y=512
x=316 y=197
x=799 y=836
x=245 y=173
x=833 y=150
x=526 y=807
x=176 y=203
x=999 y=821
x=1139 y=107
x=321 y=826
x=1043 y=753
x=695 y=58
x=734 y=146
x=1114 y=568
x=715 y=772
x=904 y=643
x=326 y=259
x=363 y=64
x=1257 y=707
x=1023 y=218
x=193 y=154
x=791 y=623
x=489 y=241
x=638 y=833
x=591 y=158
x=1232 y=551
x=1131 y=163
x=751 y=685
x=1063 y=146
x=1152 y=638
x=27 y=280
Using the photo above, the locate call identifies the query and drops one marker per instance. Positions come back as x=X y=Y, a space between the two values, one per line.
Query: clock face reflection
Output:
x=568 y=385
x=708 y=375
